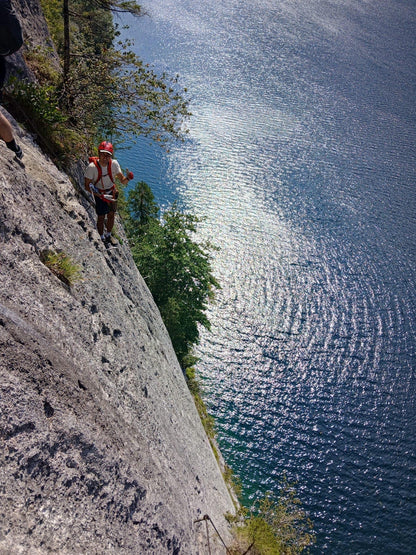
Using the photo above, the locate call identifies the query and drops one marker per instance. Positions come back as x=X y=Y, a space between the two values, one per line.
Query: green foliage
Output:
x=39 y=102
x=38 y=60
x=52 y=10
x=62 y=266
x=113 y=92
x=37 y=106
x=275 y=525
x=176 y=268
x=146 y=103
x=106 y=90
x=233 y=481
x=142 y=208
x=207 y=420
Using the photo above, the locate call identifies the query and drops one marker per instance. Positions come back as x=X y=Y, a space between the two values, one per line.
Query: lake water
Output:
x=301 y=156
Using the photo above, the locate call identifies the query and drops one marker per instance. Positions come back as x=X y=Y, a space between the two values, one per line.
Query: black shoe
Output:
x=18 y=153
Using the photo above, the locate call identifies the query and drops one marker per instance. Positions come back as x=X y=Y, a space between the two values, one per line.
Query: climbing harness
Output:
x=95 y=161
x=107 y=195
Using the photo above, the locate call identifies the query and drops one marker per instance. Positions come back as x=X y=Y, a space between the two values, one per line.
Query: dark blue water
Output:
x=302 y=158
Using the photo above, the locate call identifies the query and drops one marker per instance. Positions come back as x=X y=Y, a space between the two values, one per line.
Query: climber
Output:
x=100 y=181
x=11 y=40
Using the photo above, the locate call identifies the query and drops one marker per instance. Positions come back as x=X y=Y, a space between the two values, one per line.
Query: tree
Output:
x=276 y=525
x=142 y=207
x=119 y=6
x=175 y=266
x=106 y=89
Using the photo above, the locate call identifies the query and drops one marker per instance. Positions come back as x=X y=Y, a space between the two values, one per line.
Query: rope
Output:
x=208 y=518
x=206 y=527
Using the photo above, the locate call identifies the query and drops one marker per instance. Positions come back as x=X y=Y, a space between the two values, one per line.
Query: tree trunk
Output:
x=66 y=39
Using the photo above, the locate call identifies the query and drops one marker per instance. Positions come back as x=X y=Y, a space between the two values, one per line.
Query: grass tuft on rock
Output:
x=62 y=266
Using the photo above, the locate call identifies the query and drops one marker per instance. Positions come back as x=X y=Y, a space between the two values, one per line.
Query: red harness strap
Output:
x=95 y=159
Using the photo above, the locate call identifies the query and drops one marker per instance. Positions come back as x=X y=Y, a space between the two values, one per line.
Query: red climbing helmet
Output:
x=105 y=146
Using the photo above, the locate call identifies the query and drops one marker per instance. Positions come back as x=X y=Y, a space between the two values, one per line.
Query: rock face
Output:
x=35 y=29
x=102 y=450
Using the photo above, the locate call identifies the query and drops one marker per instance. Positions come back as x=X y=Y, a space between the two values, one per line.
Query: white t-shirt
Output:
x=105 y=181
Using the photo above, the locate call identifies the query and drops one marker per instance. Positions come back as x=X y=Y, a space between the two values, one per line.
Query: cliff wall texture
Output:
x=102 y=450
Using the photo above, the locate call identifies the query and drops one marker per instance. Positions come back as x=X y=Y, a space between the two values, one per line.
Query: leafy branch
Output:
x=105 y=88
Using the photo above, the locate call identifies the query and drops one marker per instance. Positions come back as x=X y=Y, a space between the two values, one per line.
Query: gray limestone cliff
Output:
x=102 y=450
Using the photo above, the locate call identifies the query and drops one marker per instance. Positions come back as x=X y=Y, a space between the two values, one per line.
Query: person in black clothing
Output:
x=10 y=41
